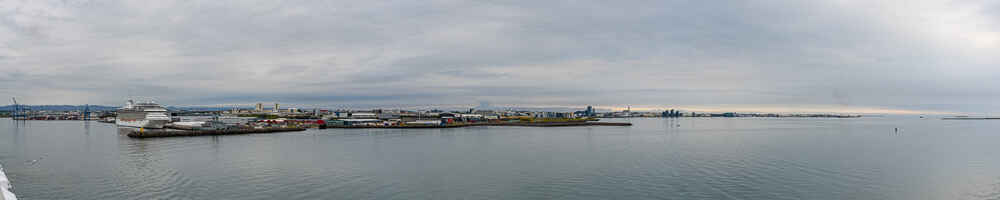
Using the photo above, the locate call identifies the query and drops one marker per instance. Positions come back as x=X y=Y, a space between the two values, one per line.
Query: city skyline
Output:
x=897 y=57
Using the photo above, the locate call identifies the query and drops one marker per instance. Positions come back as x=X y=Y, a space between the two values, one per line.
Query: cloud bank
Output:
x=914 y=55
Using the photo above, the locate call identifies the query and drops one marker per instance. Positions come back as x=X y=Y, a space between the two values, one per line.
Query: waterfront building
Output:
x=355 y=122
x=470 y=116
x=339 y=115
x=425 y=122
x=363 y=115
x=553 y=115
x=387 y=115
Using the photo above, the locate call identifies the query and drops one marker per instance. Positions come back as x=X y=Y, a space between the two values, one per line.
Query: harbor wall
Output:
x=529 y=124
x=182 y=133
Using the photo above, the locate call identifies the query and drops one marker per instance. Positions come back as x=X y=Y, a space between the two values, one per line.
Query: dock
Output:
x=527 y=124
x=153 y=133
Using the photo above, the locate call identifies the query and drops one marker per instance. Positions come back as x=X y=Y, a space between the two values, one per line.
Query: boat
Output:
x=142 y=115
x=5 y=193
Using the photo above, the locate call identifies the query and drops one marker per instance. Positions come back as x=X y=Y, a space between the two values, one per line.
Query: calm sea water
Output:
x=687 y=158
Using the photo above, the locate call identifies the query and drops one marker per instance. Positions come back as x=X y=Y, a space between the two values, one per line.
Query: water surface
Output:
x=686 y=158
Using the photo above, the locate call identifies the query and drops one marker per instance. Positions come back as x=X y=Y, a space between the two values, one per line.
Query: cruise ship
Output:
x=142 y=115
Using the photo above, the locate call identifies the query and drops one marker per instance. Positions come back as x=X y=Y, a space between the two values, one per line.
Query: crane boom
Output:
x=17 y=111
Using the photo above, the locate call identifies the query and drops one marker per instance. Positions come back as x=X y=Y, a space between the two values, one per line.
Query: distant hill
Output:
x=59 y=107
x=98 y=108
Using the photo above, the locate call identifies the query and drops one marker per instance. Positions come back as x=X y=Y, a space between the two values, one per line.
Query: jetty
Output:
x=153 y=133
x=459 y=125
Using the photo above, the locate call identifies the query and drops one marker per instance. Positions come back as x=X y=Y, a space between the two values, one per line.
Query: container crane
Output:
x=17 y=110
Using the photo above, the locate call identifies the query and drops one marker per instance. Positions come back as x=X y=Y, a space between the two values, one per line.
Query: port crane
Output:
x=86 y=113
x=21 y=112
x=16 y=110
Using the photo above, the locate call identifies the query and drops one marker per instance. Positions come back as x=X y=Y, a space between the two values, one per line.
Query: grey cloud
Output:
x=886 y=55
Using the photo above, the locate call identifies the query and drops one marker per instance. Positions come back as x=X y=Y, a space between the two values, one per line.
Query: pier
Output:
x=527 y=124
x=147 y=133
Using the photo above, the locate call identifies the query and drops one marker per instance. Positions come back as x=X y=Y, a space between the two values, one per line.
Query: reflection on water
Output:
x=682 y=158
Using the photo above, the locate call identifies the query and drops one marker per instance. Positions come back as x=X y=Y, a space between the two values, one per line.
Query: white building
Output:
x=363 y=115
x=425 y=122
x=470 y=116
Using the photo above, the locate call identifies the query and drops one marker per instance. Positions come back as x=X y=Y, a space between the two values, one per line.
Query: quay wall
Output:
x=182 y=133
x=529 y=124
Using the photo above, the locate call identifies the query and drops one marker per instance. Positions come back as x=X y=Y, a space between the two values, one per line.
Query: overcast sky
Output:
x=891 y=56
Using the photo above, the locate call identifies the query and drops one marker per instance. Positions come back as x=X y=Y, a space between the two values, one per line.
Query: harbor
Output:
x=180 y=131
x=149 y=119
x=520 y=100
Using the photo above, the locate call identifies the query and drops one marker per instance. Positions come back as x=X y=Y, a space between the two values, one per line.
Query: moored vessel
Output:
x=142 y=115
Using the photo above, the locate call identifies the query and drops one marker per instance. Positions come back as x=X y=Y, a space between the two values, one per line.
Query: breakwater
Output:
x=971 y=118
x=186 y=133
x=529 y=124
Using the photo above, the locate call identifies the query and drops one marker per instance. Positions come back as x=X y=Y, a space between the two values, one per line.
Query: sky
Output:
x=888 y=56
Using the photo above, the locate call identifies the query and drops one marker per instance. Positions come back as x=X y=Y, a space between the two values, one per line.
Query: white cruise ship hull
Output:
x=5 y=193
x=142 y=123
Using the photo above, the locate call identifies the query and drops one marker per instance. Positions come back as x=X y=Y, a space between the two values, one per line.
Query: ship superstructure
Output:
x=142 y=115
